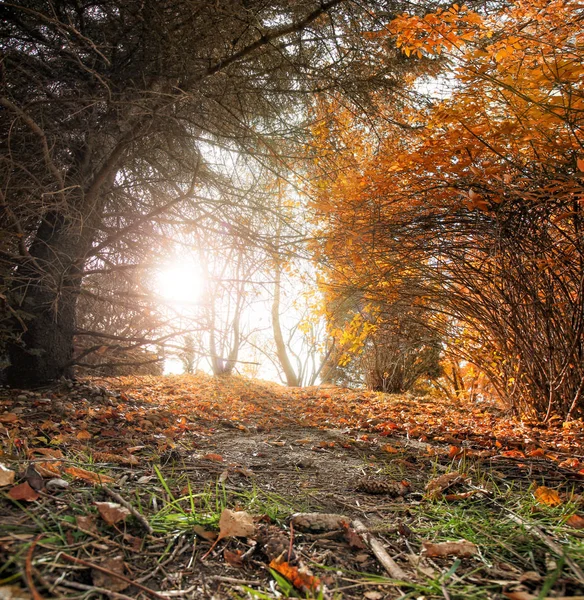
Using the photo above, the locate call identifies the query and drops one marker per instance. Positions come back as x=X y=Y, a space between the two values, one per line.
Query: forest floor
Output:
x=118 y=488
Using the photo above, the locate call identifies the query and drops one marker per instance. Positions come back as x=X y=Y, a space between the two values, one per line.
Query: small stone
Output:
x=22 y=397
x=56 y=485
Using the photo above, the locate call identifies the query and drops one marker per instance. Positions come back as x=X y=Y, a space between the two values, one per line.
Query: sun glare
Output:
x=180 y=283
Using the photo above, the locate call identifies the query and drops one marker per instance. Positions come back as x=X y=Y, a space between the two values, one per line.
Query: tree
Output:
x=471 y=204
x=110 y=110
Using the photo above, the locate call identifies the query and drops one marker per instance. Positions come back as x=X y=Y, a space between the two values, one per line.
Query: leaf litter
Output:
x=301 y=492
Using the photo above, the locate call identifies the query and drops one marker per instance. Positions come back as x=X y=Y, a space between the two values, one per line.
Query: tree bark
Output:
x=281 y=350
x=46 y=289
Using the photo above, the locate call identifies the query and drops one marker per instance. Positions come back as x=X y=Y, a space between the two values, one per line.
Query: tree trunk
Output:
x=46 y=289
x=282 y=352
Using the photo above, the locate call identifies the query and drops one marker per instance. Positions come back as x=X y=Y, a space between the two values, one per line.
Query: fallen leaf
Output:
x=215 y=457
x=107 y=580
x=235 y=524
x=48 y=469
x=457 y=497
x=575 y=521
x=435 y=487
x=13 y=592
x=233 y=558
x=8 y=417
x=373 y=595
x=461 y=548
x=50 y=452
x=34 y=478
x=89 y=476
x=6 y=476
x=210 y=536
x=301 y=579
x=87 y=523
x=454 y=451
x=536 y=453
x=390 y=449
x=547 y=496
x=23 y=492
x=570 y=463
x=83 y=435
x=513 y=454
x=353 y=538
x=111 y=512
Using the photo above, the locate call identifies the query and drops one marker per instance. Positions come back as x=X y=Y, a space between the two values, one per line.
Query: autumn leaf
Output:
x=48 y=469
x=461 y=548
x=235 y=524
x=302 y=579
x=390 y=449
x=109 y=581
x=547 y=496
x=435 y=487
x=83 y=435
x=6 y=476
x=87 y=523
x=233 y=558
x=8 y=417
x=89 y=476
x=575 y=521
x=214 y=457
x=23 y=492
x=111 y=512
x=210 y=536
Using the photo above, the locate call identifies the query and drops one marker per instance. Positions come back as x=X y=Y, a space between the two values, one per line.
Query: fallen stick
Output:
x=394 y=570
x=140 y=518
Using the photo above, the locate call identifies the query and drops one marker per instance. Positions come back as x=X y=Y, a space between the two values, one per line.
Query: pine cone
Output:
x=371 y=485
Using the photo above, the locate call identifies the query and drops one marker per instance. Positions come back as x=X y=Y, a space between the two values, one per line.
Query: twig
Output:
x=140 y=518
x=394 y=570
x=81 y=586
x=28 y=569
x=233 y=580
x=86 y=563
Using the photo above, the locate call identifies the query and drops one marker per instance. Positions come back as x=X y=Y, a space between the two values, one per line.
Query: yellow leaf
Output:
x=547 y=496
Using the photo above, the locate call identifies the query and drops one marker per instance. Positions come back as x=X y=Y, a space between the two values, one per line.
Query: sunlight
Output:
x=180 y=283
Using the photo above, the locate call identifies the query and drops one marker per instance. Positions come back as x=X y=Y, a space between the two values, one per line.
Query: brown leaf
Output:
x=111 y=512
x=87 y=523
x=575 y=521
x=210 y=536
x=23 y=492
x=34 y=478
x=235 y=524
x=13 y=592
x=107 y=581
x=301 y=579
x=89 y=476
x=50 y=452
x=461 y=548
x=353 y=538
x=233 y=558
x=8 y=417
x=435 y=487
x=547 y=496
x=214 y=457
x=48 y=469
x=6 y=476
x=390 y=449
